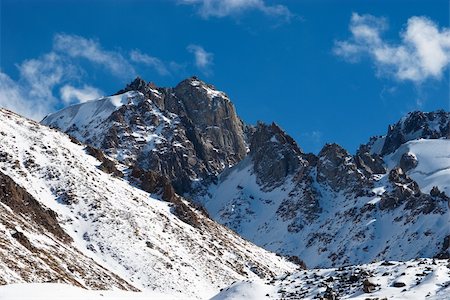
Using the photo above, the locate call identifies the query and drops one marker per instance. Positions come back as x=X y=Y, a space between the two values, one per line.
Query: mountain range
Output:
x=167 y=189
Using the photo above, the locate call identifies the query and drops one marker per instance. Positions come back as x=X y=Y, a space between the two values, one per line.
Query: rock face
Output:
x=369 y=163
x=337 y=168
x=408 y=161
x=275 y=156
x=186 y=133
x=22 y=203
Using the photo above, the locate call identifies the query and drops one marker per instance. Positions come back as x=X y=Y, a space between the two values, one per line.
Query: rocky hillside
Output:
x=70 y=214
x=186 y=133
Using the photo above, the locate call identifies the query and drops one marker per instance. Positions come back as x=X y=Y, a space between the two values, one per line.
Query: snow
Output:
x=245 y=290
x=90 y=122
x=55 y=291
x=433 y=167
x=374 y=200
x=423 y=279
x=82 y=115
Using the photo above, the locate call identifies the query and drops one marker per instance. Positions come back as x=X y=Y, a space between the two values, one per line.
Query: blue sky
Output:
x=326 y=71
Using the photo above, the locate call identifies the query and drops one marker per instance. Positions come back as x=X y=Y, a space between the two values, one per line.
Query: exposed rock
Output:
x=416 y=125
x=408 y=161
x=296 y=260
x=153 y=182
x=275 y=156
x=329 y=294
x=369 y=163
x=436 y=193
x=107 y=166
x=406 y=191
x=445 y=250
x=187 y=133
x=337 y=168
x=398 y=284
x=301 y=206
x=21 y=202
x=368 y=287
x=23 y=240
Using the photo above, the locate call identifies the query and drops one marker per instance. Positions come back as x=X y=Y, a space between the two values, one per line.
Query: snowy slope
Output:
x=433 y=157
x=91 y=122
x=55 y=291
x=411 y=280
x=120 y=227
x=89 y=115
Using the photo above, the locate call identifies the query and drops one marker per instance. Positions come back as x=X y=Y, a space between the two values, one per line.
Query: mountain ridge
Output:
x=282 y=198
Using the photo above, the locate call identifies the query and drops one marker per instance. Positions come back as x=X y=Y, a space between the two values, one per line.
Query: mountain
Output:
x=70 y=214
x=335 y=208
x=388 y=201
x=187 y=133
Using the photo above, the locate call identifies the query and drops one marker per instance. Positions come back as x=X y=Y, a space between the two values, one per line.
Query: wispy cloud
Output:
x=203 y=60
x=422 y=53
x=15 y=98
x=57 y=77
x=225 y=8
x=32 y=94
x=79 y=47
x=151 y=61
x=70 y=94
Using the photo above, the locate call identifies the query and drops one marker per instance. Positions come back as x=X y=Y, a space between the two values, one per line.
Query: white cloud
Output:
x=422 y=53
x=224 y=8
x=80 y=47
x=203 y=59
x=154 y=62
x=42 y=74
x=70 y=94
x=32 y=94
x=55 y=78
x=14 y=97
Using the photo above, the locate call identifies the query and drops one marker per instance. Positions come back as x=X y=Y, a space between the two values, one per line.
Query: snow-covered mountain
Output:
x=336 y=209
x=65 y=218
x=389 y=201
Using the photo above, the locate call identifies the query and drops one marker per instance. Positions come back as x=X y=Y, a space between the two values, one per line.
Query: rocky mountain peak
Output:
x=416 y=125
x=272 y=134
x=275 y=155
x=337 y=168
x=138 y=84
x=369 y=163
x=186 y=133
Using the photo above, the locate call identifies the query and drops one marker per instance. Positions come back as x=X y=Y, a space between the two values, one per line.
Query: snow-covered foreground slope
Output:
x=57 y=291
x=125 y=231
x=411 y=280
